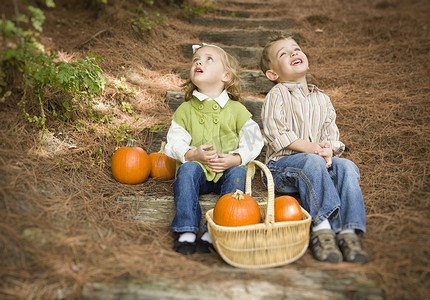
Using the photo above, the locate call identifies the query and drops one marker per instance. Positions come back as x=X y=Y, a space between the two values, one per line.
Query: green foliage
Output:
x=144 y=21
x=122 y=133
x=55 y=89
x=37 y=18
x=174 y=3
x=79 y=81
x=65 y=91
x=191 y=11
x=48 y=3
x=119 y=85
x=158 y=128
x=126 y=107
x=96 y=158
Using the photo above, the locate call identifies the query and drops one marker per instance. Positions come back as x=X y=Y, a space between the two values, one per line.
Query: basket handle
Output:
x=270 y=211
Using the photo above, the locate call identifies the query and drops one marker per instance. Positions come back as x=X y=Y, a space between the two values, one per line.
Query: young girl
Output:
x=213 y=138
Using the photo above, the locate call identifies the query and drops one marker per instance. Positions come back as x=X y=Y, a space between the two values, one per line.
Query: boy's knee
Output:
x=346 y=169
x=346 y=164
x=315 y=161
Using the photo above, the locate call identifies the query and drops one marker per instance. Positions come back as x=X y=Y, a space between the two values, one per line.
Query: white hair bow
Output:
x=195 y=47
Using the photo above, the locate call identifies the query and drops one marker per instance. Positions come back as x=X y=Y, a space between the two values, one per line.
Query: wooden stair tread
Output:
x=244 y=23
x=248 y=38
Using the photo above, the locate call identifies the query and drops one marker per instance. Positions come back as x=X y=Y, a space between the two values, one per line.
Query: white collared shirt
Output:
x=250 y=138
x=222 y=99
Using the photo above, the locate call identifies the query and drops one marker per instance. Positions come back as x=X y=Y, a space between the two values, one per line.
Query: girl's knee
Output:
x=237 y=172
x=233 y=179
x=188 y=168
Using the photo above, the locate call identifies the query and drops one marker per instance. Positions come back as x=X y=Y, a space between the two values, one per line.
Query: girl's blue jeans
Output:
x=332 y=194
x=190 y=183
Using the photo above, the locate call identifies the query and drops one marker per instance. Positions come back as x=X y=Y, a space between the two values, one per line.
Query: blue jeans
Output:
x=190 y=183
x=332 y=194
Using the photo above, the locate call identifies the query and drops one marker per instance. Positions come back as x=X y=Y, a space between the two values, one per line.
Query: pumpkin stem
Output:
x=163 y=145
x=131 y=143
x=238 y=194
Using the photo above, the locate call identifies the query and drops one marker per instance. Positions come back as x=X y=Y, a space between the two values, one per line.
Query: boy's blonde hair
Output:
x=231 y=65
x=265 y=63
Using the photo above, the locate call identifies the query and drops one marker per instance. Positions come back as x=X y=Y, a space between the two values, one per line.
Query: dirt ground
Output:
x=61 y=223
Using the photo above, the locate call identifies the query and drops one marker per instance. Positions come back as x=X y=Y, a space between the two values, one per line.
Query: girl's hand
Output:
x=224 y=162
x=201 y=155
x=325 y=152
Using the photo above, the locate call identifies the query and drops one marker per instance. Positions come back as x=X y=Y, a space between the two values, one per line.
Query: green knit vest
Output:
x=208 y=123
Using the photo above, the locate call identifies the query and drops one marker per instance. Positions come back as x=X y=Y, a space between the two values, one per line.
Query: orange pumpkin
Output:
x=162 y=166
x=287 y=208
x=130 y=164
x=236 y=209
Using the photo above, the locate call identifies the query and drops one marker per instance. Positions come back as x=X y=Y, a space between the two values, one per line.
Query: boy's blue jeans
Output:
x=332 y=194
x=190 y=183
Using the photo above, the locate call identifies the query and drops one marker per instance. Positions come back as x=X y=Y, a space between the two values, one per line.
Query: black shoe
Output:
x=204 y=247
x=184 y=248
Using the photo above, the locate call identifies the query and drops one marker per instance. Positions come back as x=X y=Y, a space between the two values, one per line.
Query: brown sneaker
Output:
x=323 y=246
x=350 y=247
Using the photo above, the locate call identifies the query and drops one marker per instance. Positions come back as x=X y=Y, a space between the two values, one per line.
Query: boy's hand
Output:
x=201 y=155
x=224 y=162
x=322 y=149
x=325 y=152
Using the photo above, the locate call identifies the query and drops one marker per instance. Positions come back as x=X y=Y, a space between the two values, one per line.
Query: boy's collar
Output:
x=293 y=85
x=222 y=99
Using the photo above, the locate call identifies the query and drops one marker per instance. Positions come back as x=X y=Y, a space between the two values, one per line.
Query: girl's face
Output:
x=207 y=69
x=288 y=62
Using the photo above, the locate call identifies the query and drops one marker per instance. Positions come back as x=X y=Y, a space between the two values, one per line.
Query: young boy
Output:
x=303 y=150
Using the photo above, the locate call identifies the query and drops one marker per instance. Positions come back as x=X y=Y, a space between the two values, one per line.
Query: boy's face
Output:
x=287 y=62
x=207 y=68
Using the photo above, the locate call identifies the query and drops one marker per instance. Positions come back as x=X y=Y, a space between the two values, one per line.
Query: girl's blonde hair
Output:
x=231 y=65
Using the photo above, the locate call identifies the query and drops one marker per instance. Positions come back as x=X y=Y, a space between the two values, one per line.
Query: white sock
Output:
x=323 y=225
x=347 y=231
x=189 y=237
x=206 y=237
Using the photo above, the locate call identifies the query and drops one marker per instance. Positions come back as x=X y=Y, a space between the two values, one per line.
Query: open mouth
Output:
x=297 y=61
x=198 y=70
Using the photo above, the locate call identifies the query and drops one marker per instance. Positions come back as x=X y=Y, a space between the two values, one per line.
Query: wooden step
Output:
x=248 y=4
x=161 y=209
x=233 y=13
x=255 y=82
x=246 y=38
x=243 y=23
x=287 y=282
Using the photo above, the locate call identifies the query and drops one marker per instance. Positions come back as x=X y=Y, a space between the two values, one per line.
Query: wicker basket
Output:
x=262 y=245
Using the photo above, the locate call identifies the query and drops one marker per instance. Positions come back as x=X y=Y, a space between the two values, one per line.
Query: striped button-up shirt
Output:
x=288 y=115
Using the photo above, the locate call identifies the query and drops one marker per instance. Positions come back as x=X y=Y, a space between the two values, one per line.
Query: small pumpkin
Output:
x=287 y=208
x=130 y=164
x=236 y=209
x=162 y=166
